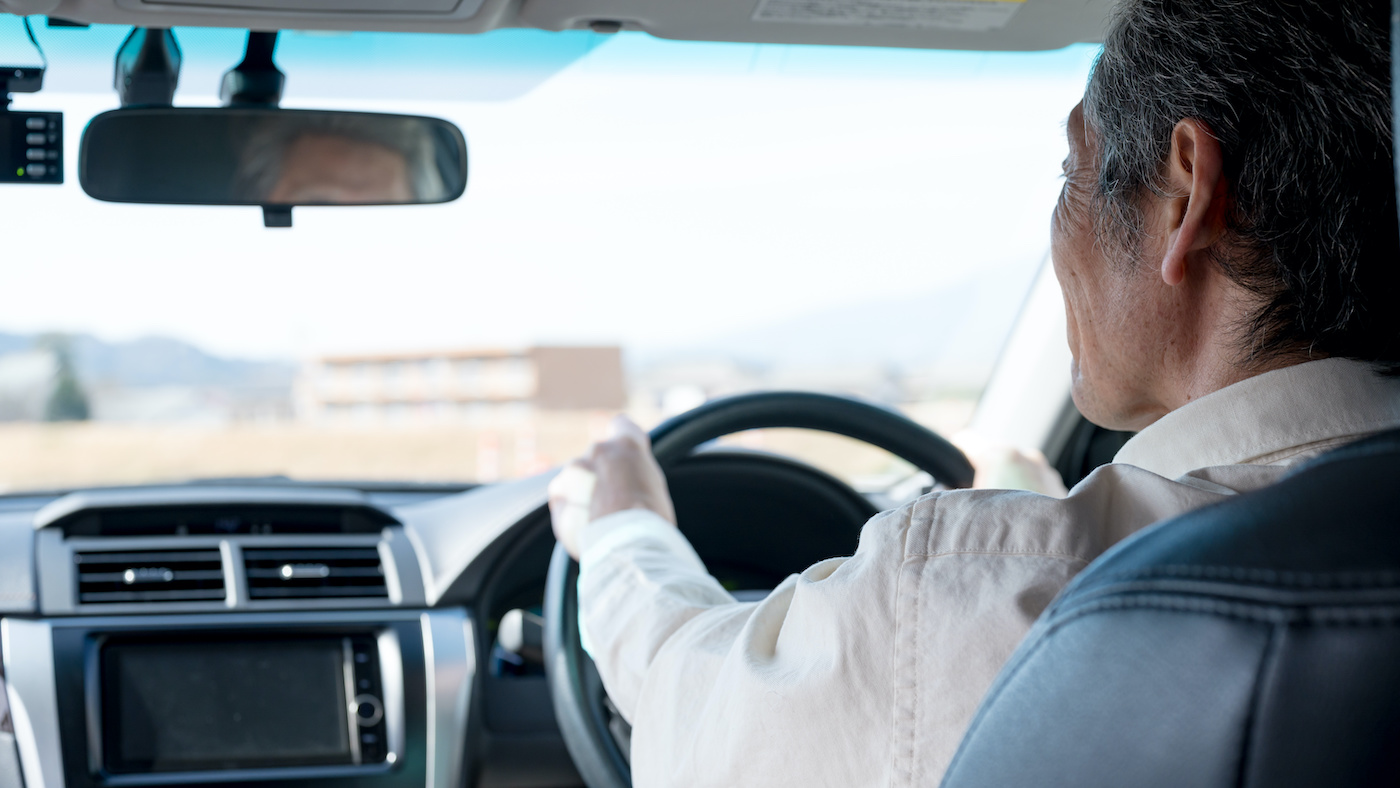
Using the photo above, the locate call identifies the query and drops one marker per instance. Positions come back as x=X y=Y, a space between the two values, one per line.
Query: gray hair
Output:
x=1298 y=94
x=260 y=166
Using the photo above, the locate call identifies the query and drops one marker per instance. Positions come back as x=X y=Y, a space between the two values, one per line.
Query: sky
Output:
x=622 y=189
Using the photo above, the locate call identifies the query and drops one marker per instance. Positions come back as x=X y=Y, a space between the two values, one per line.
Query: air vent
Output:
x=150 y=576
x=314 y=573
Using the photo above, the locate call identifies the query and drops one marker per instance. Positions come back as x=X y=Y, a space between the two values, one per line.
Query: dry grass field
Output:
x=56 y=456
x=47 y=456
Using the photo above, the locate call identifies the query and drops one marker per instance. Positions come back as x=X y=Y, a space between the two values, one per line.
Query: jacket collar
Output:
x=1273 y=417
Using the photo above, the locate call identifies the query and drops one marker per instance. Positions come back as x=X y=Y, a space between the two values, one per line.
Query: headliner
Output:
x=1011 y=25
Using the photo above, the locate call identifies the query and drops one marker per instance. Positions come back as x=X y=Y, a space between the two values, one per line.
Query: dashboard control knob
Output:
x=368 y=710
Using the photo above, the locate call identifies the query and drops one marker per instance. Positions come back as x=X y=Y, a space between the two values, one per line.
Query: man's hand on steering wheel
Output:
x=620 y=473
x=617 y=474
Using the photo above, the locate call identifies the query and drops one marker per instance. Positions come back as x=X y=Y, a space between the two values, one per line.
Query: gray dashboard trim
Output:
x=404 y=572
x=10 y=776
x=18 y=588
x=33 y=695
x=451 y=532
x=451 y=651
x=391 y=669
x=74 y=503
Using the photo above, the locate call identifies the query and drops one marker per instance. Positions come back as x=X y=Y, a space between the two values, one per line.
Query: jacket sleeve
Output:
x=711 y=684
x=639 y=582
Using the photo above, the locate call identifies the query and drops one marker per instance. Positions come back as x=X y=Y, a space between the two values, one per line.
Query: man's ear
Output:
x=1195 y=211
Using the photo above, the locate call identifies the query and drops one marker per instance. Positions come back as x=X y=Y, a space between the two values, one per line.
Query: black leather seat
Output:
x=1252 y=643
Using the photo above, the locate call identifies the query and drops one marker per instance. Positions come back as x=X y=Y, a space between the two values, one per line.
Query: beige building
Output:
x=478 y=387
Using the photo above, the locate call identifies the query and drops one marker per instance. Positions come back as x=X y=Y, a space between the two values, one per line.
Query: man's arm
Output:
x=859 y=671
x=639 y=582
x=797 y=689
x=639 y=578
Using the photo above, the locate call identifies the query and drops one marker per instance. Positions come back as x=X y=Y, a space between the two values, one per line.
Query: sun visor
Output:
x=985 y=25
x=340 y=9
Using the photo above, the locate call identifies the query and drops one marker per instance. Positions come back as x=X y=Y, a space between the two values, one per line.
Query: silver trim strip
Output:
x=232 y=619
x=391 y=574
x=235 y=584
x=92 y=703
x=347 y=672
x=123 y=544
x=282 y=775
x=450 y=651
x=391 y=685
x=33 y=695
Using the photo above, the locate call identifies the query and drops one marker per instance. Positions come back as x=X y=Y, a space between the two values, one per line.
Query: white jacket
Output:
x=866 y=670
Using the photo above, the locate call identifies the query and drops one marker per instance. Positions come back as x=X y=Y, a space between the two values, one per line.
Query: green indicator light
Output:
x=20 y=172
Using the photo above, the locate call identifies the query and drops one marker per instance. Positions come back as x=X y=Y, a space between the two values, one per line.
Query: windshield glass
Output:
x=647 y=225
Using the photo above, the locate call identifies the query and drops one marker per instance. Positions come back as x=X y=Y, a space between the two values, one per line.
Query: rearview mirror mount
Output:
x=256 y=81
x=251 y=152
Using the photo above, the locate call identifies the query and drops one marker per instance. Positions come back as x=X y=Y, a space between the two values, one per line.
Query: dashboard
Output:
x=288 y=635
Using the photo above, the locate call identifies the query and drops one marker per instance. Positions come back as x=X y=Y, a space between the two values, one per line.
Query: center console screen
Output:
x=210 y=704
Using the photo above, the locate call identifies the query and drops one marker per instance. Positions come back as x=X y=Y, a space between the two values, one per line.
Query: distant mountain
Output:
x=14 y=343
x=159 y=361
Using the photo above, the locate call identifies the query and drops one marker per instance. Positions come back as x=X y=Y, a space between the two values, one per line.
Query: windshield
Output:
x=647 y=225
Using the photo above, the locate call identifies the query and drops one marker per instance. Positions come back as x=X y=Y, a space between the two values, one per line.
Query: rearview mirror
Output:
x=270 y=157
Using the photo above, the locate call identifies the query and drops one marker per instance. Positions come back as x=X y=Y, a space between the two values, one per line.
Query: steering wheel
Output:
x=580 y=705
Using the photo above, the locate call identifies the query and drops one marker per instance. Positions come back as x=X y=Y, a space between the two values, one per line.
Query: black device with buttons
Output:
x=278 y=699
x=191 y=703
x=32 y=144
x=368 y=699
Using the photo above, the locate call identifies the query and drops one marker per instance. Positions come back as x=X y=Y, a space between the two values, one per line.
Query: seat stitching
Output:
x=1316 y=598
x=915 y=706
x=905 y=652
x=1248 y=574
x=1032 y=553
x=1243 y=611
x=1251 y=728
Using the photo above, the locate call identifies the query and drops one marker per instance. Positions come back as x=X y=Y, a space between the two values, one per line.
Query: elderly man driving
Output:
x=1226 y=243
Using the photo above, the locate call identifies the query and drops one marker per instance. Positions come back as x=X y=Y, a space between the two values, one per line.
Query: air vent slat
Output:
x=326 y=592
x=91 y=559
x=151 y=596
x=314 y=573
x=337 y=571
x=190 y=574
x=150 y=576
x=313 y=554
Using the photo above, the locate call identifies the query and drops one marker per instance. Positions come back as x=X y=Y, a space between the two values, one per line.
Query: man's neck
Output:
x=1215 y=346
